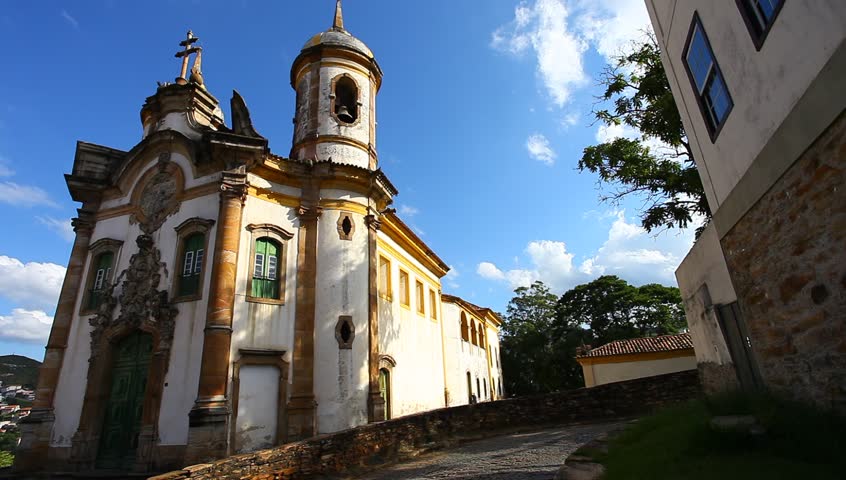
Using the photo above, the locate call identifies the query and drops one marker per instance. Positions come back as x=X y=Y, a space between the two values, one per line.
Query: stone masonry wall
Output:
x=787 y=258
x=379 y=443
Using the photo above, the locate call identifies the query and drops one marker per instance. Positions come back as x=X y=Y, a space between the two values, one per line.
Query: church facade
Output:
x=221 y=299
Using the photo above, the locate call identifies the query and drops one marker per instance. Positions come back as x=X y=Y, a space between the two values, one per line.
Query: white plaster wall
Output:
x=704 y=281
x=412 y=339
x=463 y=357
x=258 y=402
x=327 y=125
x=495 y=364
x=764 y=85
x=183 y=373
x=341 y=375
x=618 y=372
x=258 y=325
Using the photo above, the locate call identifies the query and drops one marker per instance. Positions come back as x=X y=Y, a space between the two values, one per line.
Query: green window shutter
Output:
x=192 y=264
x=265 y=282
x=102 y=276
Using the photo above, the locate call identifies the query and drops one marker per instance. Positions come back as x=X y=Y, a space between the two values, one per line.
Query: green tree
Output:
x=541 y=332
x=666 y=178
x=526 y=349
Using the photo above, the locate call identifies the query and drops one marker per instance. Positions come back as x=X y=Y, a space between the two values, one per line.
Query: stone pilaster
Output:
x=37 y=428
x=375 y=402
x=208 y=420
x=302 y=407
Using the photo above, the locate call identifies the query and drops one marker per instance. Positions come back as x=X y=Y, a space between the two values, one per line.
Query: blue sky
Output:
x=483 y=115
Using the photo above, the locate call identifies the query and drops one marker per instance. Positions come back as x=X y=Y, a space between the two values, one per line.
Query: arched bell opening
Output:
x=345 y=100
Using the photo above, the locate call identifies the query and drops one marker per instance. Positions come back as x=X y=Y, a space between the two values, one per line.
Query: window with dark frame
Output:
x=102 y=278
x=759 y=16
x=265 y=282
x=193 y=254
x=706 y=78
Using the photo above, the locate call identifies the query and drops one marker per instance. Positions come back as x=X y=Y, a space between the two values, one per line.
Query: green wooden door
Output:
x=122 y=422
x=385 y=390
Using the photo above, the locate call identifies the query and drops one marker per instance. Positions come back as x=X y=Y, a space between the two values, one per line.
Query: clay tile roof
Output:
x=663 y=343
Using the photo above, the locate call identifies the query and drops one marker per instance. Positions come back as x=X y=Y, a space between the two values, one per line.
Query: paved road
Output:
x=523 y=456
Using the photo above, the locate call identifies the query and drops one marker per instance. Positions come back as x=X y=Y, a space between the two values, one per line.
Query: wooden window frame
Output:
x=96 y=249
x=757 y=38
x=387 y=294
x=420 y=294
x=713 y=130
x=433 y=305
x=281 y=236
x=404 y=291
x=464 y=326
x=183 y=231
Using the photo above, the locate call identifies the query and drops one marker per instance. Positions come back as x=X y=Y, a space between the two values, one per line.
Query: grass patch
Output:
x=677 y=443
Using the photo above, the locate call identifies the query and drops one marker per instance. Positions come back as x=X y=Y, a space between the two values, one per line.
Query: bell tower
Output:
x=336 y=78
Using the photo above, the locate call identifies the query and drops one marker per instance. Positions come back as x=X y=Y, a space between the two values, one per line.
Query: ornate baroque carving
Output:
x=142 y=303
x=373 y=222
x=158 y=199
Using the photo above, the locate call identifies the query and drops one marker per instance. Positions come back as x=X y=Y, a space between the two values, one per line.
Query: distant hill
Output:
x=19 y=370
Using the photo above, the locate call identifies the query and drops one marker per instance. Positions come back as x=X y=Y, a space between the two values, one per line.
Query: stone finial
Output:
x=338 y=24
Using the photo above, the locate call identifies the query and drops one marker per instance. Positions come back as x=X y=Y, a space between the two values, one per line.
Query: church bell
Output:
x=344 y=114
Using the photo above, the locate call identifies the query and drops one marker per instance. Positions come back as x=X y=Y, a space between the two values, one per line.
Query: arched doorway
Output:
x=385 y=390
x=125 y=405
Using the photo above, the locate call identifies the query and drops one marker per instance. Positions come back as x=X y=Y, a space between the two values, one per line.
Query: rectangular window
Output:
x=188 y=266
x=100 y=281
x=385 y=277
x=421 y=298
x=759 y=16
x=706 y=78
x=198 y=261
x=192 y=264
x=403 y=286
x=433 y=304
x=265 y=281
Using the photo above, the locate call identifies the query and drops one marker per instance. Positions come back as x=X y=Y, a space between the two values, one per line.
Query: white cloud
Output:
x=408 y=211
x=543 y=27
x=451 y=277
x=24 y=195
x=559 y=32
x=628 y=252
x=26 y=326
x=570 y=120
x=31 y=285
x=61 y=227
x=539 y=149
x=68 y=18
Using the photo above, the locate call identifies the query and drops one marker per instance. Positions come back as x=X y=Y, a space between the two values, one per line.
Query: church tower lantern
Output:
x=336 y=78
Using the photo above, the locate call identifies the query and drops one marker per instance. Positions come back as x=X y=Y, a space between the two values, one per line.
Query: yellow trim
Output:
x=636 y=357
x=274 y=197
x=345 y=205
x=389 y=294
x=405 y=238
x=389 y=250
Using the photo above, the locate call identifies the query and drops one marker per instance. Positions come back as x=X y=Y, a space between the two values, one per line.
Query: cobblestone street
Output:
x=522 y=456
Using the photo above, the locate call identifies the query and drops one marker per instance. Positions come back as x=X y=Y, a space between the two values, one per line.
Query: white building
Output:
x=220 y=298
x=760 y=88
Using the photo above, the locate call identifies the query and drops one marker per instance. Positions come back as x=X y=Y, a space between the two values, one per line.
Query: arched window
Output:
x=478 y=388
x=485 y=385
x=265 y=282
x=345 y=103
x=191 y=265
x=469 y=388
x=482 y=336
x=465 y=330
x=473 y=338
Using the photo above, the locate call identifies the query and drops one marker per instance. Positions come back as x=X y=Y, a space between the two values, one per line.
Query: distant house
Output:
x=636 y=358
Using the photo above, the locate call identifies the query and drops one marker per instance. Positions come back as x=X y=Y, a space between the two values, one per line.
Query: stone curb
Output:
x=578 y=466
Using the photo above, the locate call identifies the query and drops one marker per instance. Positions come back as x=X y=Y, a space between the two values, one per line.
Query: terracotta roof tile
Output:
x=663 y=343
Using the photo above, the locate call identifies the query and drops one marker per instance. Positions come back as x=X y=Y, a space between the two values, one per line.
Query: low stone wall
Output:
x=379 y=443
